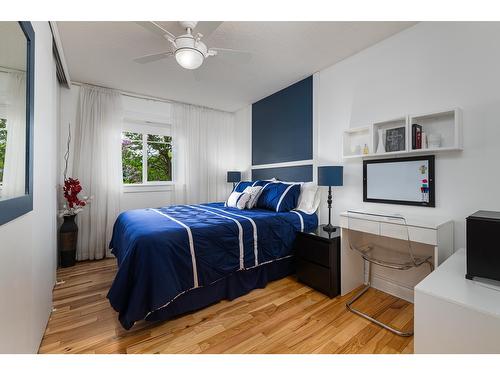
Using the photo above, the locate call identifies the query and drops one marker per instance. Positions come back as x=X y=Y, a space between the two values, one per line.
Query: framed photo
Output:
x=395 y=139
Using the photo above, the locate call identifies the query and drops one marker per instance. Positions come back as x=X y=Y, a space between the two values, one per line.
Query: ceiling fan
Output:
x=188 y=49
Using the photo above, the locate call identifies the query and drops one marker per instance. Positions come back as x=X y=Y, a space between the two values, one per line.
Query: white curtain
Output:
x=15 y=149
x=97 y=164
x=202 y=153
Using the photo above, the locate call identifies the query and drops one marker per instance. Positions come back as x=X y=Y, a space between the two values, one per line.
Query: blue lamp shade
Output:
x=233 y=176
x=331 y=176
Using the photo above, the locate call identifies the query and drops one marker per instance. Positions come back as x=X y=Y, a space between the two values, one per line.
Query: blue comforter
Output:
x=165 y=252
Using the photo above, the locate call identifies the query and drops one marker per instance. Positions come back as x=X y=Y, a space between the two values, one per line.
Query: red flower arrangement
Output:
x=73 y=203
x=72 y=188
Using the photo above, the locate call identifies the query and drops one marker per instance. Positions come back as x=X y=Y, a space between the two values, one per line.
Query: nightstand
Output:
x=318 y=260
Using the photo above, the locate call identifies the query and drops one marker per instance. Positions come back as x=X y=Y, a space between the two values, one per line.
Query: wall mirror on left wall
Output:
x=16 y=119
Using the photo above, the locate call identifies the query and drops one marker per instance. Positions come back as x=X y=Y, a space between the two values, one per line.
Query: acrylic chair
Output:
x=396 y=255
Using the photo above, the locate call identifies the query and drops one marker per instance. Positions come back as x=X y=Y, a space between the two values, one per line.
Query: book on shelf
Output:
x=416 y=136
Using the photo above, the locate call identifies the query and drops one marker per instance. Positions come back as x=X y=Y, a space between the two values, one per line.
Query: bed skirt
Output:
x=228 y=288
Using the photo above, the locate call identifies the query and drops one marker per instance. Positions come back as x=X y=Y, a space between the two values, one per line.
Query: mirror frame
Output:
x=12 y=208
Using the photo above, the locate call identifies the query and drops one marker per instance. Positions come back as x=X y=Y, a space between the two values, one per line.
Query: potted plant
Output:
x=68 y=233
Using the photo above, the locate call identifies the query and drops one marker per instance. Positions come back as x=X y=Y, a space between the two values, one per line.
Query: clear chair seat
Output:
x=389 y=257
x=383 y=251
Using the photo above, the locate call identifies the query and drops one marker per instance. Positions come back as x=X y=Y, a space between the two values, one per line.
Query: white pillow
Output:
x=238 y=200
x=254 y=192
x=309 y=198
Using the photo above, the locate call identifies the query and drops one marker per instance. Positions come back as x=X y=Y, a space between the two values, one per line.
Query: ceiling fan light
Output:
x=189 y=58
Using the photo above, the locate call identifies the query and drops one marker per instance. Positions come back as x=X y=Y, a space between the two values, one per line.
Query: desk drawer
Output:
x=360 y=225
x=313 y=251
x=417 y=234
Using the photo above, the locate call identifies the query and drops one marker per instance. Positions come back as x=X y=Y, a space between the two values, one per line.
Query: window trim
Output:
x=148 y=188
x=144 y=128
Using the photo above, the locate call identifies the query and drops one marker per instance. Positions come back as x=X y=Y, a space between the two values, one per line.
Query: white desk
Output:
x=430 y=234
x=456 y=315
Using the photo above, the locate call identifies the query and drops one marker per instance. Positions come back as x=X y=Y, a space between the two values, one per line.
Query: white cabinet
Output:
x=444 y=125
x=354 y=141
x=456 y=315
x=381 y=129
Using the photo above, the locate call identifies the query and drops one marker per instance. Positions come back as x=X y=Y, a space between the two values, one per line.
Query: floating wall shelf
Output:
x=445 y=126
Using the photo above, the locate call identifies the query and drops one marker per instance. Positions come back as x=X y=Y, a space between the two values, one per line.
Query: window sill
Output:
x=145 y=188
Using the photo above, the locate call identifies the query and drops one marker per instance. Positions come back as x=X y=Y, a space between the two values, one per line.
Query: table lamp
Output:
x=330 y=176
x=234 y=177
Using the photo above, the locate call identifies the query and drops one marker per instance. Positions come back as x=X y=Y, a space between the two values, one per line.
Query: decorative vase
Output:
x=68 y=234
x=434 y=140
x=381 y=141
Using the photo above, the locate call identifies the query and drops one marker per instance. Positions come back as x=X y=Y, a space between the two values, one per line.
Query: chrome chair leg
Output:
x=431 y=266
x=368 y=317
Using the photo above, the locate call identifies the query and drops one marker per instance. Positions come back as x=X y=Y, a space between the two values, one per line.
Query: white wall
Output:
x=28 y=243
x=243 y=142
x=431 y=66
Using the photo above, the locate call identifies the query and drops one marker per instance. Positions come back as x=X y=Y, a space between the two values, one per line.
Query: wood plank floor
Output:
x=285 y=317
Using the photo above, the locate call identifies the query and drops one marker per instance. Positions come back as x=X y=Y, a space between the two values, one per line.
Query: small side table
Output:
x=318 y=260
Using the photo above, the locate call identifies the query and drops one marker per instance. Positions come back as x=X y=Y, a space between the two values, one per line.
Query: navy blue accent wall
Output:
x=300 y=173
x=282 y=125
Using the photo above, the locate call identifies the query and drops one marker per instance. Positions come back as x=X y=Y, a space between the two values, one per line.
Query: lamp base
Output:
x=329 y=228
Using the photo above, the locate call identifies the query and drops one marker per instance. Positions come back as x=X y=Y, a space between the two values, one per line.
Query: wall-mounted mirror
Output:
x=16 y=119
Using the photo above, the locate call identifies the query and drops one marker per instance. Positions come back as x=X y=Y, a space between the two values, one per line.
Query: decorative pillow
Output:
x=309 y=199
x=242 y=185
x=238 y=200
x=279 y=197
x=254 y=192
x=264 y=182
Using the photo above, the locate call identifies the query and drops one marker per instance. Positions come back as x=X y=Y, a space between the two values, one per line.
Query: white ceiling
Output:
x=282 y=53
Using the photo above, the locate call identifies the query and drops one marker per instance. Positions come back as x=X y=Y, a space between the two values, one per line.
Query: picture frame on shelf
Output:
x=395 y=139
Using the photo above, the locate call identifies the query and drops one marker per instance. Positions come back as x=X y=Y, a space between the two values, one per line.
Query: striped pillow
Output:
x=238 y=200
x=279 y=197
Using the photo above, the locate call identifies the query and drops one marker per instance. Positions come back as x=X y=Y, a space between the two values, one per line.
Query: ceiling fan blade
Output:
x=233 y=55
x=207 y=27
x=153 y=57
x=156 y=28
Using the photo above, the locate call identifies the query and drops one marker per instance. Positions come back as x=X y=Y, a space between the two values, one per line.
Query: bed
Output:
x=178 y=259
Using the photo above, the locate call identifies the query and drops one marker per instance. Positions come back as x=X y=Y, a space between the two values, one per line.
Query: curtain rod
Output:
x=125 y=93
x=132 y=94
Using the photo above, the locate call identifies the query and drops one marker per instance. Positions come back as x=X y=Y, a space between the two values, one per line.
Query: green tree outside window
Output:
x=146 y=158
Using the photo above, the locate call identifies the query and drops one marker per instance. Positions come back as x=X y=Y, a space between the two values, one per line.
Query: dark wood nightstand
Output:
x=318 y=260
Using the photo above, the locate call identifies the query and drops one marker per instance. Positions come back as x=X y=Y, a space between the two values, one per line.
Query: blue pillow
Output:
x=279 y=197
x=242 y=185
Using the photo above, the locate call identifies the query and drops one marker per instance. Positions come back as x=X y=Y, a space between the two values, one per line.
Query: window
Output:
x=146 y=158
x=3 y=143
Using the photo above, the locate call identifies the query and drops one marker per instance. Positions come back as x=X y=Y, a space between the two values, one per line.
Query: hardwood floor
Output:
x=285 y=317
